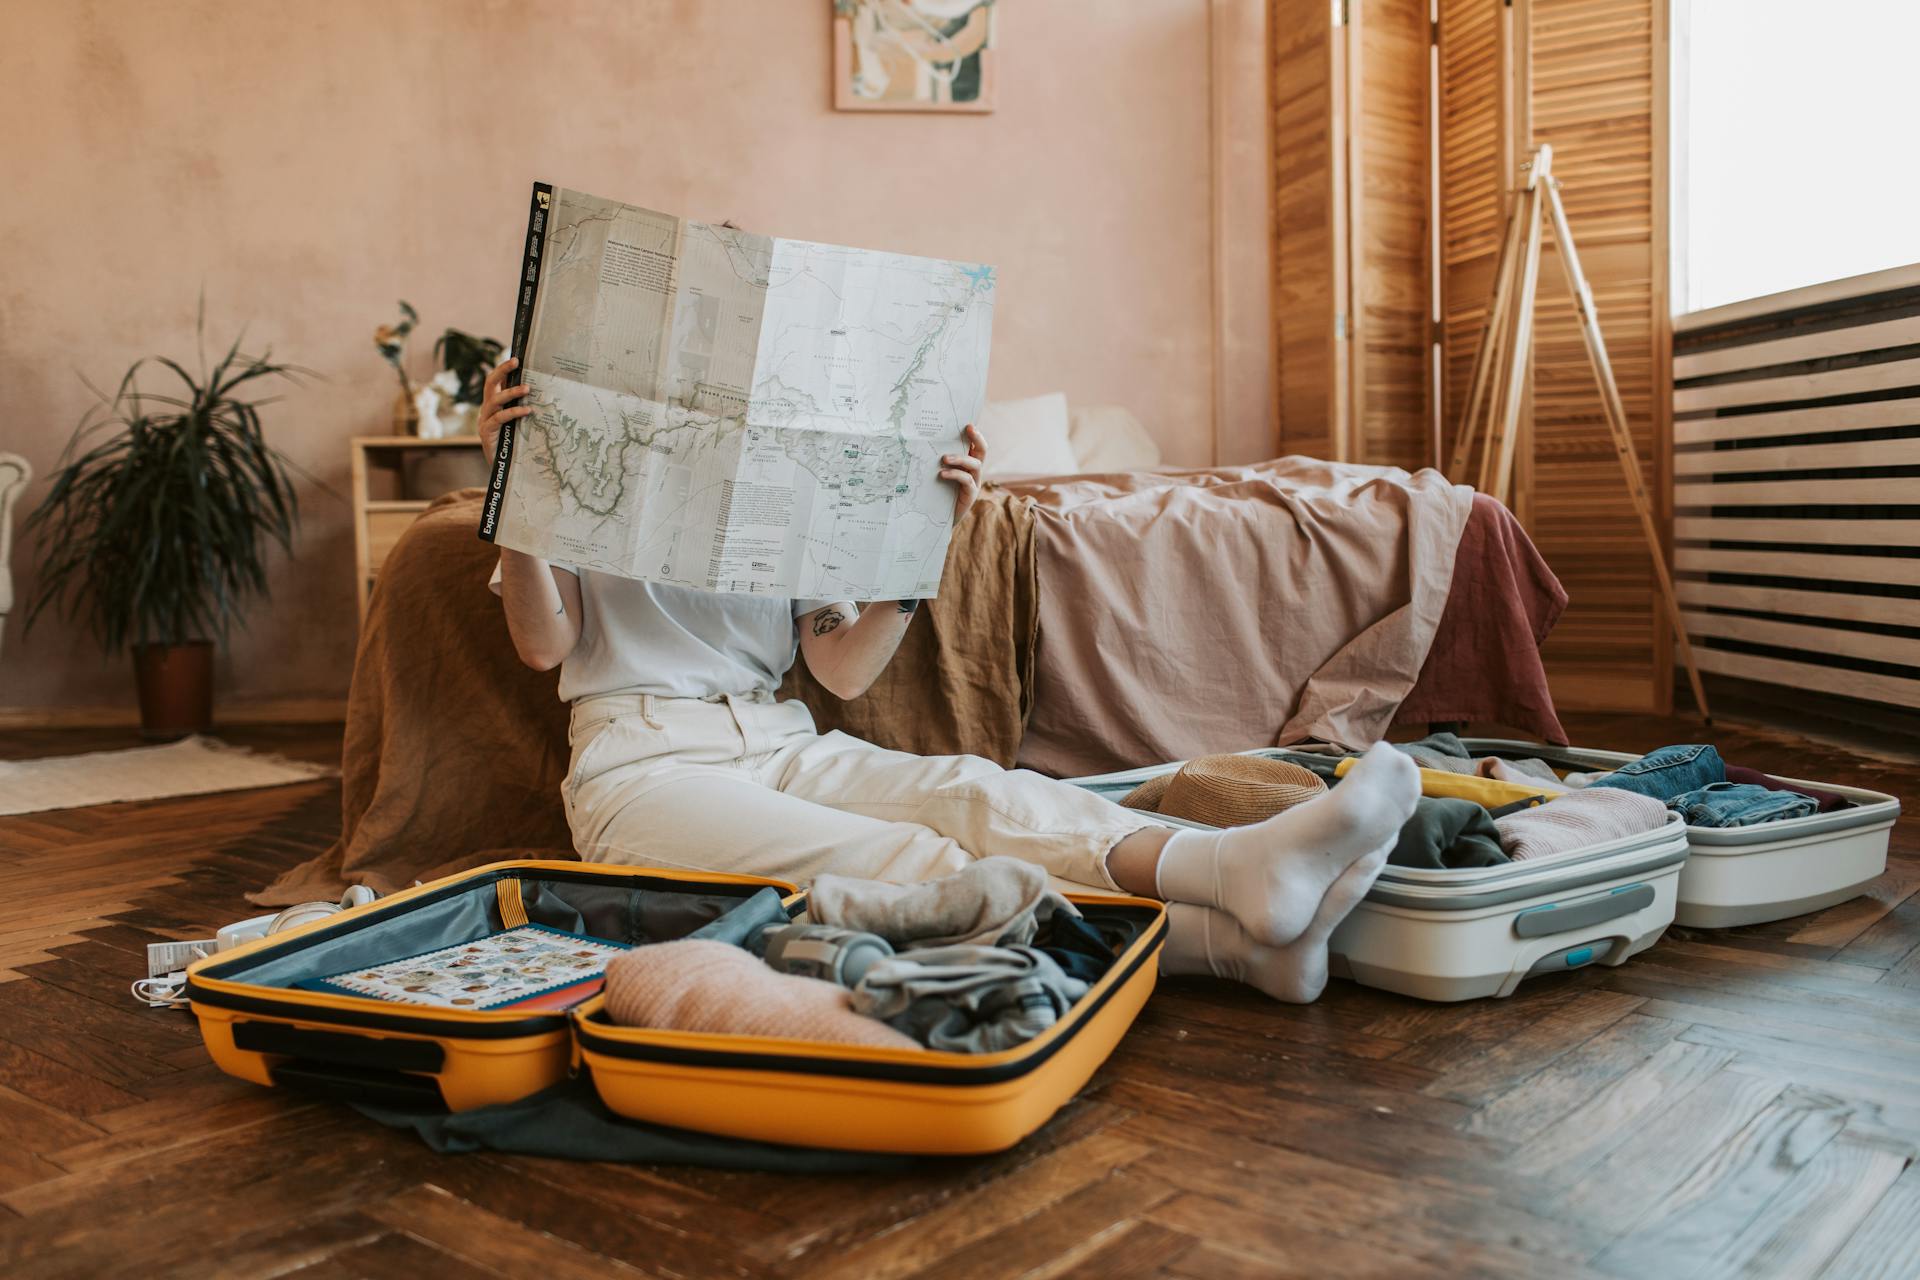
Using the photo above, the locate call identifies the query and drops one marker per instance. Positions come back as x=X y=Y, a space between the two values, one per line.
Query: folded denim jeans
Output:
x=1669 y=772
x=1739 y=804
x=1828 y=800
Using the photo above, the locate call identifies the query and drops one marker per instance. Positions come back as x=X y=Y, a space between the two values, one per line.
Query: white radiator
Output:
x=1797 y=486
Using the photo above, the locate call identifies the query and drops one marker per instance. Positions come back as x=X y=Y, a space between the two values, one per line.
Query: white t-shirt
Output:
x=643 y=637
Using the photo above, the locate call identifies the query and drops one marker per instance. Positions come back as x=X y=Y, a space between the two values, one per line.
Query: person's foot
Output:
x=1203 y=941
x=1271 y=876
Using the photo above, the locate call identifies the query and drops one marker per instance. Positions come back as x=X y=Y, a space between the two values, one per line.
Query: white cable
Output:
x=161 y=993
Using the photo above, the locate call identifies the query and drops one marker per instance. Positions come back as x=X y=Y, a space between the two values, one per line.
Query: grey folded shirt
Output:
x=997 y=900
x=968 y=999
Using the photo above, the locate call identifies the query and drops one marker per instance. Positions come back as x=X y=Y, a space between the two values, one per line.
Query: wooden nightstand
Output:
x=381 y=511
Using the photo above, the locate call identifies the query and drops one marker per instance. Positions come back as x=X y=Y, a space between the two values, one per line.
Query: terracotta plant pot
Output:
x=176 y=688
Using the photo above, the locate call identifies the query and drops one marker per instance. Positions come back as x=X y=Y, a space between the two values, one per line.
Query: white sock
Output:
x=1271 y=876
x=1204 y=941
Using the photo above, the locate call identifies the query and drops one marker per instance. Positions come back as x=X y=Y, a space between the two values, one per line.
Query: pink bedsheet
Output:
x=1188 y=612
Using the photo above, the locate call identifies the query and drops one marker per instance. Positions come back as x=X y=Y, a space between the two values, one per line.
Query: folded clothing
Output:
x=1442 y=751
x=1322 y=761
x=1446 y=833
x=993 y=901
x=700 y=984
x=1667 y=772
x=968 y=999
x=1532 y=773
x=1740 y=804
x=839 y=956
x=1827 y=800
x=1578 y=820
x=1076 y=947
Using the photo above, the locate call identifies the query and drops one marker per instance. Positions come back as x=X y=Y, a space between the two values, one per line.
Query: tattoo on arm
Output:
x=907 y=606
x=826 y=620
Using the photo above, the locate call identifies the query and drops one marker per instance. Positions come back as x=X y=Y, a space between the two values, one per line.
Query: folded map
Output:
x=732 y=412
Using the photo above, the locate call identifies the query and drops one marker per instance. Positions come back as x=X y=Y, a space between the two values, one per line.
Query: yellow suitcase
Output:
x=807 y=1093
x=258 y=1026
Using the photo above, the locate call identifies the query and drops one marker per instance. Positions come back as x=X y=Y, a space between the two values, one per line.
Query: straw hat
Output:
x=1227 y=791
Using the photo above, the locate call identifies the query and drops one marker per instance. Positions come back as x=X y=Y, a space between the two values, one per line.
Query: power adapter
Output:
x=164 y=958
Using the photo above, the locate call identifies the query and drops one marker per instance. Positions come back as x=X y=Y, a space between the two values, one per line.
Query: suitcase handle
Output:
x=338 y=1048
x=392 y=1089
x=1562 y=917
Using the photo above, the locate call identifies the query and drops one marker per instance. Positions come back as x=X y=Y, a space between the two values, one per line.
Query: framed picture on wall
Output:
x=913 y=55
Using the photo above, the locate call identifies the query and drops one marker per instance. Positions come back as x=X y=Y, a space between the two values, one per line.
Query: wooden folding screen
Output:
x=1352 y=292
x=1592 y=77
x=1310 y=372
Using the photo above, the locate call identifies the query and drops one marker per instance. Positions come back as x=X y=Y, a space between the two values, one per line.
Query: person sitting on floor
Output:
x=683 y=757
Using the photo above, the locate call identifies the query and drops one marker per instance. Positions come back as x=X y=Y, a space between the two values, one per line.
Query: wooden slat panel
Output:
x=1854 y=533
x=1904 y=412
x=1801 y=564
x=1799 y=457
x=1806 y=675
x=1833 y=605
x=1790 y=635
x=1389 y=196
x=1303 y=252
x=1805 y=346
x=1595 y=80
x=1474 y=144
x=1902 y=277
x=1888 y=489
x=1894 y=374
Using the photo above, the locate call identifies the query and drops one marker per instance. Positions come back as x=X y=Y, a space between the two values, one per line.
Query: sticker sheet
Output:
x=500 y=969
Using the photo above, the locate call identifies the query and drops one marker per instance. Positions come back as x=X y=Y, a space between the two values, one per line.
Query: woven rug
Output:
x=190 y=767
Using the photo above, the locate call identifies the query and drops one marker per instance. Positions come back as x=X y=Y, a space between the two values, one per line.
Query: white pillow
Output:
x=1028 y=437
x=1107 y=437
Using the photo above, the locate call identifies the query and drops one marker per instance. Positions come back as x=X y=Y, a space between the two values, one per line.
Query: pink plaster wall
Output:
x=308 y=164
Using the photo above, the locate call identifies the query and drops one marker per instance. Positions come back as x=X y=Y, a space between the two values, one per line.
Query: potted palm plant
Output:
x=155 y=530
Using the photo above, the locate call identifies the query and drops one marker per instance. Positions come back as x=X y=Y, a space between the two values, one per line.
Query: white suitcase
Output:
x=1769 y=871
x=1480 y=931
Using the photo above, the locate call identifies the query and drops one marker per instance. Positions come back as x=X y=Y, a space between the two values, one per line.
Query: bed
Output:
x=1086 y=623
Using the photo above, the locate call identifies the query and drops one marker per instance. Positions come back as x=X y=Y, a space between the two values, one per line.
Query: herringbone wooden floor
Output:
x=1737 y=1103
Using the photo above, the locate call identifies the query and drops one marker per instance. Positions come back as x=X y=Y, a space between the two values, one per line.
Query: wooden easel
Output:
x=1500 y=372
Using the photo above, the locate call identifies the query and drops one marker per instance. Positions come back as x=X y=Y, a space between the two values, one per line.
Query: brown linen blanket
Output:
x=961 y=682
x=1189 y=612
x=455 y=751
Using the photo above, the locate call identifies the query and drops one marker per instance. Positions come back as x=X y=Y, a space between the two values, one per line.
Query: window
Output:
x=1796 y=144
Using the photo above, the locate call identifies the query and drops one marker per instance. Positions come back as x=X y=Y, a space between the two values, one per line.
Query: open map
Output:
x=733 y=412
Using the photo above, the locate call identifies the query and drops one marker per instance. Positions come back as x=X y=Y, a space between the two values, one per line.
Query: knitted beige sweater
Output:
x=1578 y=820
x=702 y=985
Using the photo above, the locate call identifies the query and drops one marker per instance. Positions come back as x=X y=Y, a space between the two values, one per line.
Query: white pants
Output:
x=753 y=787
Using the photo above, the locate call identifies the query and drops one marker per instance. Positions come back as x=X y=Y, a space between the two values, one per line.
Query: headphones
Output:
x=166 y=992
x=307 y=912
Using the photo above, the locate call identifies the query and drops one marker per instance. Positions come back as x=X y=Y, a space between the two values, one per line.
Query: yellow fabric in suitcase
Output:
x=1440 y=784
